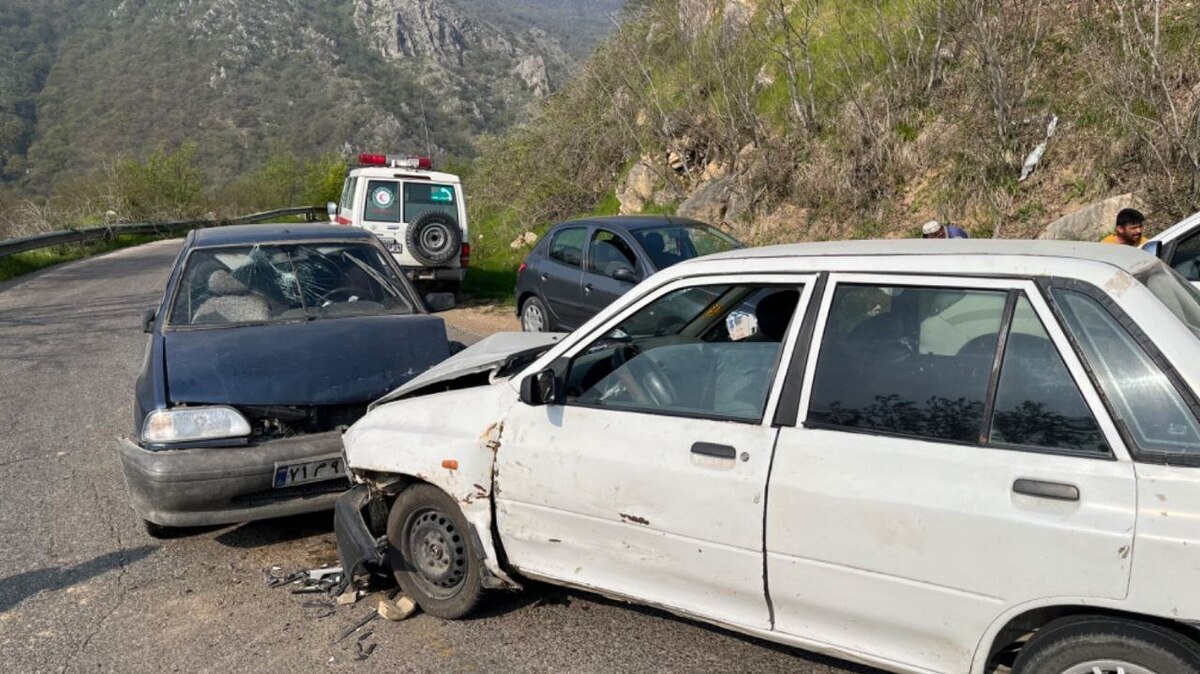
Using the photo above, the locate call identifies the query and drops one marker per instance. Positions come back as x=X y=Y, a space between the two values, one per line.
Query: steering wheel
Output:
x=644 y=379
x=347 y=291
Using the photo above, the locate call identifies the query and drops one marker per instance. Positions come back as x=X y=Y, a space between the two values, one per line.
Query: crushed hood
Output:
x=489 y=353
x=324 y=362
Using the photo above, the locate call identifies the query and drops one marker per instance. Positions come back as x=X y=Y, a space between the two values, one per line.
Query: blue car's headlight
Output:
x=187 y=424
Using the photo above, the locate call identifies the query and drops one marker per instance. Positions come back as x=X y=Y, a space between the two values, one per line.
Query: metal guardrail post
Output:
x=28 y=243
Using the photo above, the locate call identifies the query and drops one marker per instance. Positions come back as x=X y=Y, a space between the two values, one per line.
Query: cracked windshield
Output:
x=260 y=284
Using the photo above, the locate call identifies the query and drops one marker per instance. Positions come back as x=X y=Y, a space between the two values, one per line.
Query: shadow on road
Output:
x=538 y=594
x=284 y=529
x=17 y=588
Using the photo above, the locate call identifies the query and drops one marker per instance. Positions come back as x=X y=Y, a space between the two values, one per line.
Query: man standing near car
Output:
x=1130 y=225
x=936 y=230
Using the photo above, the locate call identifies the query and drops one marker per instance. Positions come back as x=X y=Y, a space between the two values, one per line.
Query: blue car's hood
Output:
x=323 y=362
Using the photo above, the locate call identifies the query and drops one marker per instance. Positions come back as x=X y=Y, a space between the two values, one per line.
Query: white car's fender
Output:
x=446 y=439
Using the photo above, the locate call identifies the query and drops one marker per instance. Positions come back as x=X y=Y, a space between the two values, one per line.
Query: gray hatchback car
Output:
x=581 y=266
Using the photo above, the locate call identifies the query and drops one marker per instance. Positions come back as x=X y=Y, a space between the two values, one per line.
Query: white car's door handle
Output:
x=1042 y=489
x=717 y=451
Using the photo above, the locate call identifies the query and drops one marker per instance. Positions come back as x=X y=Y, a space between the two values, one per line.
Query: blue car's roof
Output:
x=631 y=222
x=277 y=233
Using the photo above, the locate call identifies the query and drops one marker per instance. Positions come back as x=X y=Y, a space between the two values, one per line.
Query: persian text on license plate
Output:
x=312 y=470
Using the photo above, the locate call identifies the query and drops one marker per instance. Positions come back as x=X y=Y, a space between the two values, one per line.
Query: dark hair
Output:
x=1129 y=216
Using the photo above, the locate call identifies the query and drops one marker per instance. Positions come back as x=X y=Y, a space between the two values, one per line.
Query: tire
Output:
x=432 y=554
x=1089 y=644
x=534 y=317
x=434 y=238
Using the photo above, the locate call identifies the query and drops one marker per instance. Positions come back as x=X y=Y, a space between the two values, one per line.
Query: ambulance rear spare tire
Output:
x=434 y=238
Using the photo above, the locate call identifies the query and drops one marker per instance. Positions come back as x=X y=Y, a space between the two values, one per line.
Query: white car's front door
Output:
x=953 y=464
x=649 y=480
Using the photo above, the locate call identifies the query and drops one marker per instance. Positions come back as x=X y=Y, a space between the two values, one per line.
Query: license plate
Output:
x=392 y=245
x=314 y=470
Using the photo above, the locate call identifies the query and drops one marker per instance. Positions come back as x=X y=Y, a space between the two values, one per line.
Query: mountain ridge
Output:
x=247 y=79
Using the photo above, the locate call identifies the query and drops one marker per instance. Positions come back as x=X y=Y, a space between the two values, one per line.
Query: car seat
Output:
x=607 y=258
x=774 y=313
x=230 y=301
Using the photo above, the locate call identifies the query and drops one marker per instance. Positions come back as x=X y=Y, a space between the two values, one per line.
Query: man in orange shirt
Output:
x=1130 y=224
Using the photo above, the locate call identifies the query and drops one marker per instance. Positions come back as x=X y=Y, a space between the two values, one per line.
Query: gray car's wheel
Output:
x=432 y=554
x=534 y=317
x=1107 y=645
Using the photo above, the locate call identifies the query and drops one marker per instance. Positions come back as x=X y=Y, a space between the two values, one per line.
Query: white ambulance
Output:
x=418 y=213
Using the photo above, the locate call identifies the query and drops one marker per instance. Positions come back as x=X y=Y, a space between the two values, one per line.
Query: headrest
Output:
x=774 y=312
x=221 y=282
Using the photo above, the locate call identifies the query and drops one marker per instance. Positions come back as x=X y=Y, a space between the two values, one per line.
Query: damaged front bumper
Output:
x=359 y=549
x=224 y=485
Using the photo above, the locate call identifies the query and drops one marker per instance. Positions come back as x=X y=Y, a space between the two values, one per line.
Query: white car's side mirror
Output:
x=540 y=388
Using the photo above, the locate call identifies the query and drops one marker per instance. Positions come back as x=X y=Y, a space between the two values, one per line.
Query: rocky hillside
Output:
x=247 y=78
x=789 y=120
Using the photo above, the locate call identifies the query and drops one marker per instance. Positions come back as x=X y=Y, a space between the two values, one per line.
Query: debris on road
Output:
x=364 y=652
x=348 y=597
x=357 y=626
x=324 y=580
x=396 y=609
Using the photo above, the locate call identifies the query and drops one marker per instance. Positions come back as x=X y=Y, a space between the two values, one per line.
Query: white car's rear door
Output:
x=918 y=501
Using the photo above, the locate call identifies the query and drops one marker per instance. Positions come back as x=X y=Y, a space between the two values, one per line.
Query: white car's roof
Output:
x=1179 y=229
x=401 y=172
x=943 y=255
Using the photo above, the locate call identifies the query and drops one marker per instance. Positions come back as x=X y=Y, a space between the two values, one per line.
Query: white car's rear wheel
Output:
x=1107 y=645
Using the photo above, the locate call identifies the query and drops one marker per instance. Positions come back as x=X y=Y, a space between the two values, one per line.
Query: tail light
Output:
x=464 y=260
x=522 y=268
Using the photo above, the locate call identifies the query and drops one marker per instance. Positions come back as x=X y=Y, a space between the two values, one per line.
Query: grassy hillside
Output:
x=863 y=119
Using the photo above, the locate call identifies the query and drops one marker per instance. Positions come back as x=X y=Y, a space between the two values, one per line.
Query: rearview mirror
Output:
x=331 y=209
x=148 y=320
x=1154 y=248
x=439 y=301
x=539 y=388
x=624 y=275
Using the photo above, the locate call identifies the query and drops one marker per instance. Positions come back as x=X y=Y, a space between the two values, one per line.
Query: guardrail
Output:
x=28 y=243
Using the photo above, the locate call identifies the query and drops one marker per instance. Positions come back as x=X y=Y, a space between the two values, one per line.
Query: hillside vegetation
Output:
x=808 y=119
x=240 y=86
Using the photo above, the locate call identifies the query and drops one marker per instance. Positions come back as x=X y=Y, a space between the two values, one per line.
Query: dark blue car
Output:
x=269 y=339
x=581 y=266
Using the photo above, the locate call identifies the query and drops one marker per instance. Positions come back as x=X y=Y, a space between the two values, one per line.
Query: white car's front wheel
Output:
x=1107 y=645
x=431 y=552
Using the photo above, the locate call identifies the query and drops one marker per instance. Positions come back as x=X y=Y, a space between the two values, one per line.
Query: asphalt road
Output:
x=83 y=588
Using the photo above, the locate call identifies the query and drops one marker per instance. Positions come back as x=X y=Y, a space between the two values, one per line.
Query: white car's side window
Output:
x=922 y=362
x=1155 y=414
x=709 y=351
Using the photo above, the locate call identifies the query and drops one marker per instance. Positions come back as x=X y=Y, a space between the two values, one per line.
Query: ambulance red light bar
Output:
x=395 y=161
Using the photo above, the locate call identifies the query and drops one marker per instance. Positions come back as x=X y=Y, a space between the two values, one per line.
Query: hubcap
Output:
x=532 y=319
x=438 y=552
x=1107 y=666
x=434 y=239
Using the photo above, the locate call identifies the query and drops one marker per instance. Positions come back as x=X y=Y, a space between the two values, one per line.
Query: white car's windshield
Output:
x=1181 y=297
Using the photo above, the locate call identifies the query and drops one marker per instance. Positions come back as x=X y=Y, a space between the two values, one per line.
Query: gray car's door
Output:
x=607 y=251
x=560 y=276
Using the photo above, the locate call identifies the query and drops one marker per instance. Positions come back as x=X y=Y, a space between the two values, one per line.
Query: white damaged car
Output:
x=924 y=456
